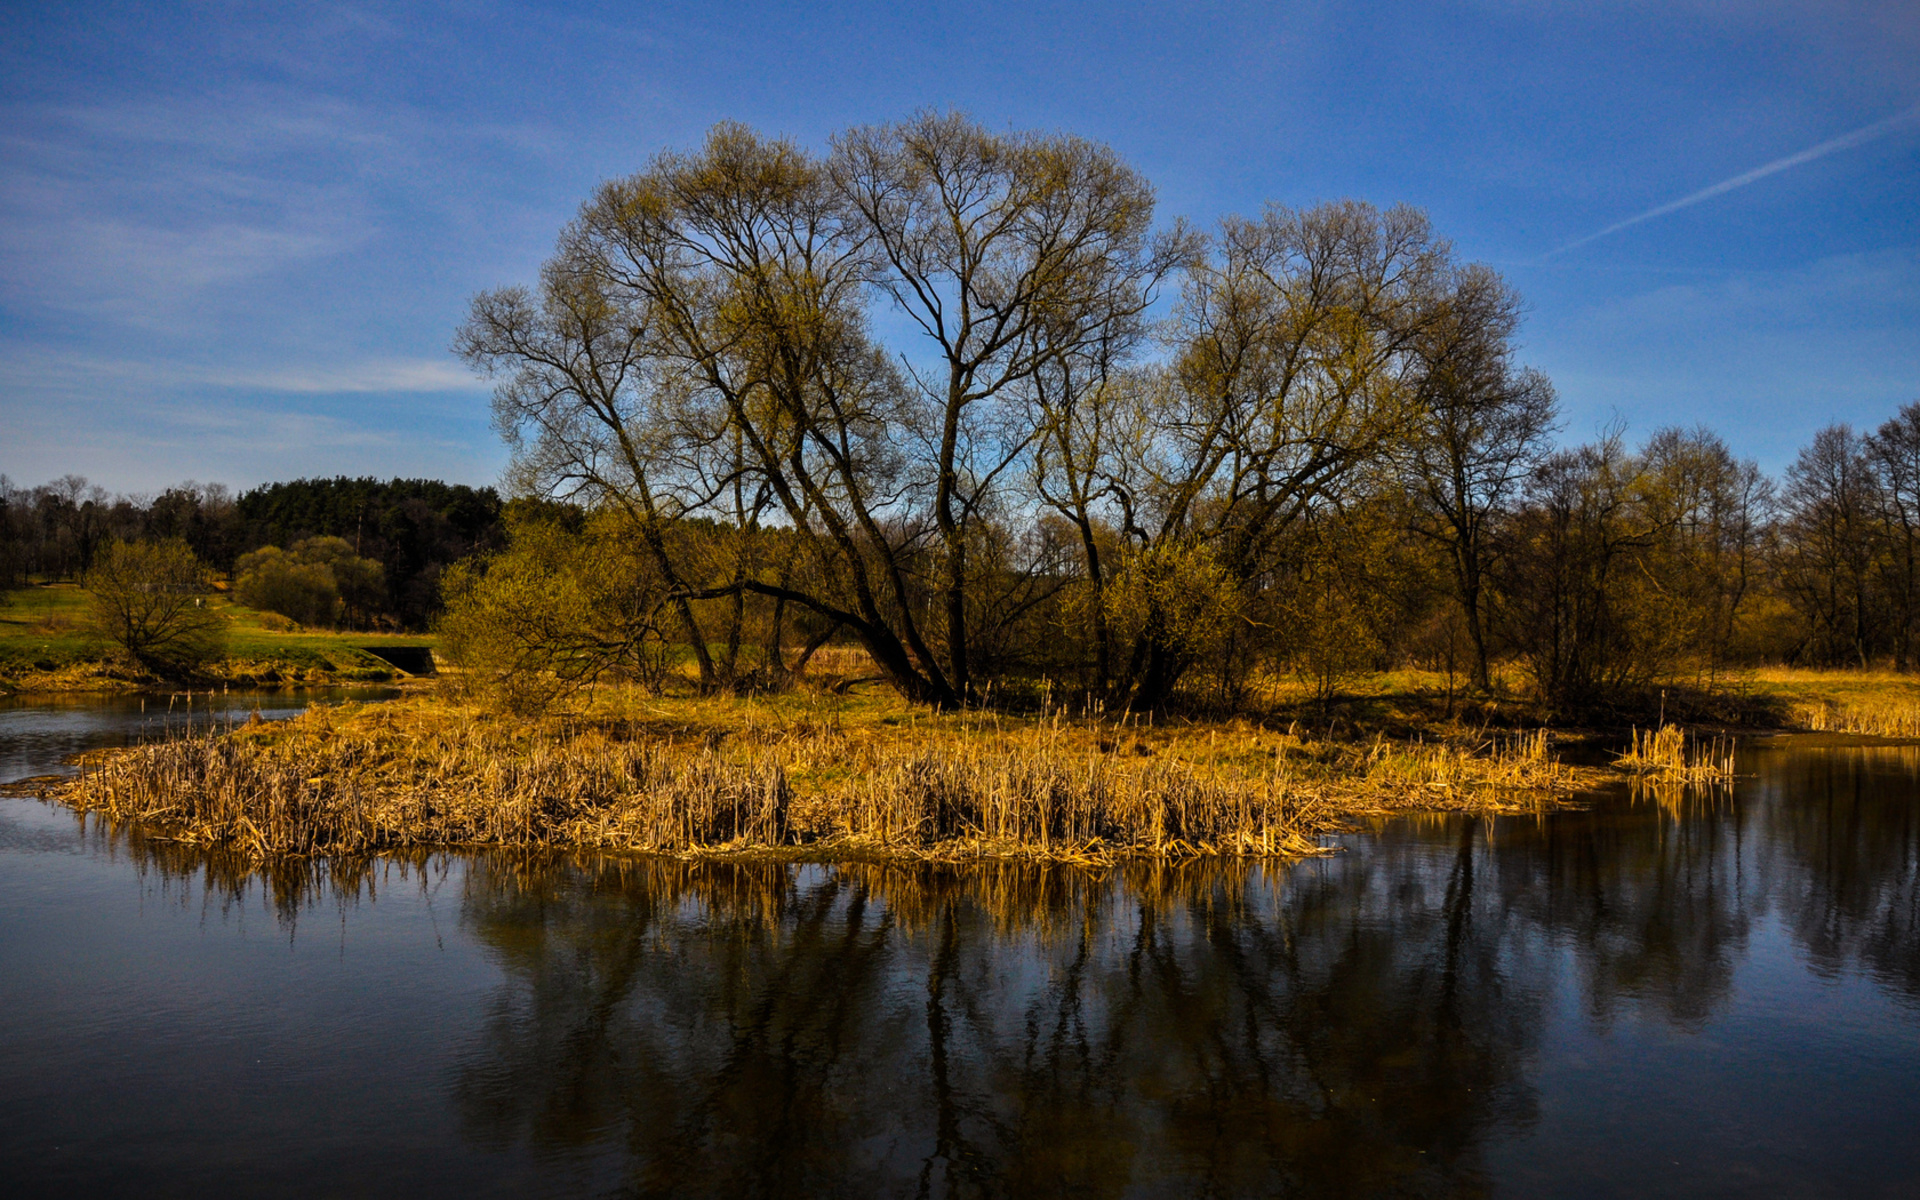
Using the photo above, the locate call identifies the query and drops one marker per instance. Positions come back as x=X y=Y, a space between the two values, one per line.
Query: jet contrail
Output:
x=1845 y=141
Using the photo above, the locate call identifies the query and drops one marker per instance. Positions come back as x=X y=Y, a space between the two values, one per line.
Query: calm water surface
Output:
x=38 y=734
x=1697 y=997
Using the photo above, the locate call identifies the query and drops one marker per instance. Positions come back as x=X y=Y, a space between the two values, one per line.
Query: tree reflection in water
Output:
x=1359 y=1024
x=1202 y=1029
x=1841 y=842
x=1367 y=1023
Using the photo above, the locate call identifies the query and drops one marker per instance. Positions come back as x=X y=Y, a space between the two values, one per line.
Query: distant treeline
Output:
x=951 y=393
x=411 y=528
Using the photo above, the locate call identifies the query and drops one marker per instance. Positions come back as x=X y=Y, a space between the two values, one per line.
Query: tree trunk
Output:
x=1102 y=636
x=1164 y=669
x=776 y=632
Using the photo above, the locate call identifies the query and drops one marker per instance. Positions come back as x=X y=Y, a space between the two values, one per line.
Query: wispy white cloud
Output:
x=137 y=213
x=25 y=372
x=386 y=375
x=1845 y=141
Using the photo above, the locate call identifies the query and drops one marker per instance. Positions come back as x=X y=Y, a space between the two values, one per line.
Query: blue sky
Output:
x=235 y=239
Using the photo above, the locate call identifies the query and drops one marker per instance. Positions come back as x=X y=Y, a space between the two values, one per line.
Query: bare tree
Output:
x=1482 y=425
x=739 y=279
x=1010 y=253
x=1830 y=544
x=1708 y=508
x=1295 y=354
x=149 y=599
x=1893 y=453
x=1568 y=549
x=584 y=403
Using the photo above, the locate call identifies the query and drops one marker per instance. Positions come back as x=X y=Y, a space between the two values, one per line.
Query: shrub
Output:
x=321 y=581
x=150 y=600
x=554 y=613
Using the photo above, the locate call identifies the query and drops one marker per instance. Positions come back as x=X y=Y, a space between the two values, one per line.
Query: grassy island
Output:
x=808 y=775
x=851 y=772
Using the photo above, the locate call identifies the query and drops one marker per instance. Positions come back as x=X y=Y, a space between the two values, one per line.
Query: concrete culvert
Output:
x=414 y=660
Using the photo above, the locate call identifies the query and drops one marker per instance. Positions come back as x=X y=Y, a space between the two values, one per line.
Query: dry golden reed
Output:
x=413 y=774
x=1878 y=716
x=1670 y=754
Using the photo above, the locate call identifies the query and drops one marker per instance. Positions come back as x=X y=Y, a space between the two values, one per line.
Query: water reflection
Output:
x=1388 y=1020
x=1841 y=833
x=1651 y=902
x=1359 y=1024
x=1006 y=1030
x=220 y=880
x=40 y=733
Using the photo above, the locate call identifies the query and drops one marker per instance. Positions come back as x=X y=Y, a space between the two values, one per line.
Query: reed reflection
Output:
x=289 y=887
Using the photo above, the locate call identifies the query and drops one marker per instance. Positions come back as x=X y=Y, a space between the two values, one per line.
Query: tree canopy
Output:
x=973 y=378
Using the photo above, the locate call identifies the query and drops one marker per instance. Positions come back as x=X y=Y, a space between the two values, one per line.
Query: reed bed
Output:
x=1894 y=717
x=1521 y=763
x=1672 y=754
x=424 y=774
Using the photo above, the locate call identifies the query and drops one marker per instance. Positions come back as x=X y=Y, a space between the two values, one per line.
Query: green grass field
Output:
x=45 y=642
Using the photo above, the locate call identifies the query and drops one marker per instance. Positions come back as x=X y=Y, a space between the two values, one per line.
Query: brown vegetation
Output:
x=1880 y=717
x=1873 y=703
x=417 y=773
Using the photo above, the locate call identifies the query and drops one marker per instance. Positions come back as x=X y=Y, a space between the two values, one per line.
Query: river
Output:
x=1689 y=995
x=38 y=734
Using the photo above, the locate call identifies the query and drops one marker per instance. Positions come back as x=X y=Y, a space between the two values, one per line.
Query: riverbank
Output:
x=46 y=647
x=1877 y=703
x=810 y=776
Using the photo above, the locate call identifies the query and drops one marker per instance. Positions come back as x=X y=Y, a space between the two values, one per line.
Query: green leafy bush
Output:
x=320 y=582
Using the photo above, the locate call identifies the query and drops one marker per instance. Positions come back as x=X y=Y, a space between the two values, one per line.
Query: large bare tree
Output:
x=1294 y=368
x=1009 y=253
x=716 y=308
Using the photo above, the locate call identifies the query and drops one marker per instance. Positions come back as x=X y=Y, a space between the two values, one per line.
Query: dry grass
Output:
x=817 y=778
x=1879 y=703
x=1881 y=716
x=1679 y=772
x=1673 y=755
